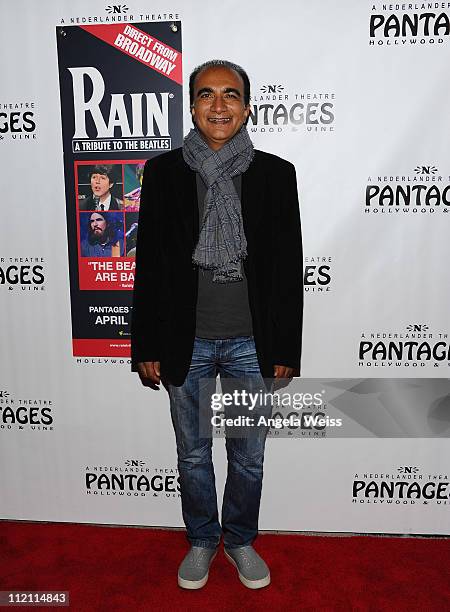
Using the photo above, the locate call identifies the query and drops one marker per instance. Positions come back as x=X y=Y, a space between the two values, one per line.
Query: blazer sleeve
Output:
x=287 y=300
x=145 y=340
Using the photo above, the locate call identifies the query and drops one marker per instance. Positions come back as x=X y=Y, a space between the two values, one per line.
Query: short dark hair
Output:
x=223 y=64
x=106 y=170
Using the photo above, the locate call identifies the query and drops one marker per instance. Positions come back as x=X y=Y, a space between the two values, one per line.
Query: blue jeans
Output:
x=233 y=358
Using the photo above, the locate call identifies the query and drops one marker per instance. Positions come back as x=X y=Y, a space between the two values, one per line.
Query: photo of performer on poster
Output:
x=133 y=174
x=100 y=187
x=131 y=227
x=101 y=234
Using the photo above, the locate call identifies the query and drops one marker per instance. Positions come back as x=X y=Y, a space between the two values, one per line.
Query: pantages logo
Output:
x=111 y=122
x=407 y=485
x=317 y=274
x=17 y=121
x=415 y=346
x=309 y=421
x=30 y=414
x=423 y=191
x=417 y=23
x=22 y=274
x=132 y=478
x=275 y=110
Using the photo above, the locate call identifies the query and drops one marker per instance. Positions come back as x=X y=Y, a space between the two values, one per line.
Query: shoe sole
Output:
x=250 y=584
x=195 y=584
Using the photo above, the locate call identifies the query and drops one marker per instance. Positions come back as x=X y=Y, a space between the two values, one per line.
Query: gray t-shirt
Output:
x=223 y=310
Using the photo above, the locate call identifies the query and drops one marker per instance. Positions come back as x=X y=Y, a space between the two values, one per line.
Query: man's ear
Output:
x=193 y=113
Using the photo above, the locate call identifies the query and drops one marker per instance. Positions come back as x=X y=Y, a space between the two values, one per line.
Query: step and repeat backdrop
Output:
x=356 y=95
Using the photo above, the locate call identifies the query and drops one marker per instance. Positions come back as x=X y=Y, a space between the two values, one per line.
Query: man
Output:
x=102 y=238
x=218 y=289
x=102 y=183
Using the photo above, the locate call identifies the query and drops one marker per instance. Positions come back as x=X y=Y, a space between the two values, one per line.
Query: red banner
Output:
x=100 y=346
x=107 y=273
x=144 y=48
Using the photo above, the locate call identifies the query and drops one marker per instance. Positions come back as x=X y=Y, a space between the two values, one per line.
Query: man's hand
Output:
x=150 y=373
x=280 y=371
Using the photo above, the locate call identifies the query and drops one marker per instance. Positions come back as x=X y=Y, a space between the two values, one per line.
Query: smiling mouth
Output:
x=219 y=120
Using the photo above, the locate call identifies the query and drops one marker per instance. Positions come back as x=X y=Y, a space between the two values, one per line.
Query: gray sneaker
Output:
x=253 y=571
x=194 y=569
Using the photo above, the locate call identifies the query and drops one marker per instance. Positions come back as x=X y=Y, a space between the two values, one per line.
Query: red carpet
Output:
x=126 y=569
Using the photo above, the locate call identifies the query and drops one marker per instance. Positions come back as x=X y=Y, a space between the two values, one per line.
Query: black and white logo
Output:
x=17 y=121
x=24 y=413
x=407 y=24
x=317 y=277
x=276 y=109
x=117 y=9
x=118 y=13
x=105 y=361
x=25 y=274
x=405 y=485
x=417 y=345
x=132 y=478
x=422 y=191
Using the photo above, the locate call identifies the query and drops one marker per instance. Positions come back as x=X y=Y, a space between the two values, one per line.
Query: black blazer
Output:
x=166 y=281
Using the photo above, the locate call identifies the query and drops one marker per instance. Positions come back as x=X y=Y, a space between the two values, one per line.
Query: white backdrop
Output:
x=388 y=265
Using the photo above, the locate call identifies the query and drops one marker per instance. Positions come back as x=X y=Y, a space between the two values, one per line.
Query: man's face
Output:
x=98 y=225
x=100 y=185
x=218 y=110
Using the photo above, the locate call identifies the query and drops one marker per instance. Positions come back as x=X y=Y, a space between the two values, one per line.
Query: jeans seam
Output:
x=256 y=458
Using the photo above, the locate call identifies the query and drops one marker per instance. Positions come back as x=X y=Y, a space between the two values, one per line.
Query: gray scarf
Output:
x=221 y=244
